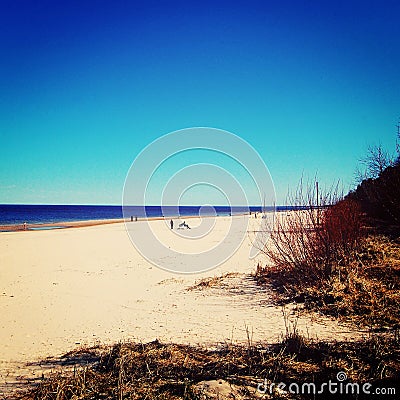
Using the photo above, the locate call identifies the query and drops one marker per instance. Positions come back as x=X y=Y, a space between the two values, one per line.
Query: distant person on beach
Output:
x=24 y=226
x=172 y=224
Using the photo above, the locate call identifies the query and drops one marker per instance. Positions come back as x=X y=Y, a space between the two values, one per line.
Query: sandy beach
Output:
x=64 y=288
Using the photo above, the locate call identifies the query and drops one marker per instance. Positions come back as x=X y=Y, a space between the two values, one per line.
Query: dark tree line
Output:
x=378 y=190
x=380 y=197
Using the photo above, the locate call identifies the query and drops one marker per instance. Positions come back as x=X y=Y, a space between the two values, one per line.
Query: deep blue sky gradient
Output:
x=86 y=85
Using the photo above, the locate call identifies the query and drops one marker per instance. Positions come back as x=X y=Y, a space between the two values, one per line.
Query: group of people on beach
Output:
x=180 y=226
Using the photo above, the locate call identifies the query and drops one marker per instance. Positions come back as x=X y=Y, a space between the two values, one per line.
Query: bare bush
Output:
x=310 y=242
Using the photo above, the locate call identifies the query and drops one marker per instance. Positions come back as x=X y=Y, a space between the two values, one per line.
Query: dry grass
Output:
x=368 y=290
x=365 y=290
x=169 y=371
x=213 y=281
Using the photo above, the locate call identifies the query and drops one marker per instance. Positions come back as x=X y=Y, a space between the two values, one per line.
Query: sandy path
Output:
x=60 y=289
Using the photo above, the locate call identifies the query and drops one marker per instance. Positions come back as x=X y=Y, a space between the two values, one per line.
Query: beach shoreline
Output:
x=54 y=225
x=93 y=222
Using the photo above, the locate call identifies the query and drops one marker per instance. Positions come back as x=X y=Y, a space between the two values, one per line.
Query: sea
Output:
x=14 y=214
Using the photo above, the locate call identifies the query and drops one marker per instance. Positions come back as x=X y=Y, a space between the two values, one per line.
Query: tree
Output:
x=375 y=162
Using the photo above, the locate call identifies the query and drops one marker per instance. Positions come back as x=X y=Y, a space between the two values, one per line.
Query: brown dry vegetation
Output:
x=169 y=371
x=334 y=258
x=364 y=289
x=213 y=281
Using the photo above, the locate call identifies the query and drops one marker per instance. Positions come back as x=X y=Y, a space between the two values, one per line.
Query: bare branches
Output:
x=374 y=163
x=316 y=237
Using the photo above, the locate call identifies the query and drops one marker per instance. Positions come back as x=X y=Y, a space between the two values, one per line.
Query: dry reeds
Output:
x=213 y=281
x=169 y=371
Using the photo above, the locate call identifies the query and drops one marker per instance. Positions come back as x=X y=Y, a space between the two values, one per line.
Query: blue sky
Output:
x=86 y=85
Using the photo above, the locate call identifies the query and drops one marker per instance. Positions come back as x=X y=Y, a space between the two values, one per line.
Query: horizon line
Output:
x=137 y=205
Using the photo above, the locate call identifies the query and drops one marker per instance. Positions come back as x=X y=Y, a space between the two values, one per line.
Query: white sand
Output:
x=60 y=289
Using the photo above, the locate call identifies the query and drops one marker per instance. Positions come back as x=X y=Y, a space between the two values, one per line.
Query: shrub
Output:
x=308 y=244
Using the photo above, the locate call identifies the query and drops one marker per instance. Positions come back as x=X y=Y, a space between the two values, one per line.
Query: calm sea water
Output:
x=12 y=214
